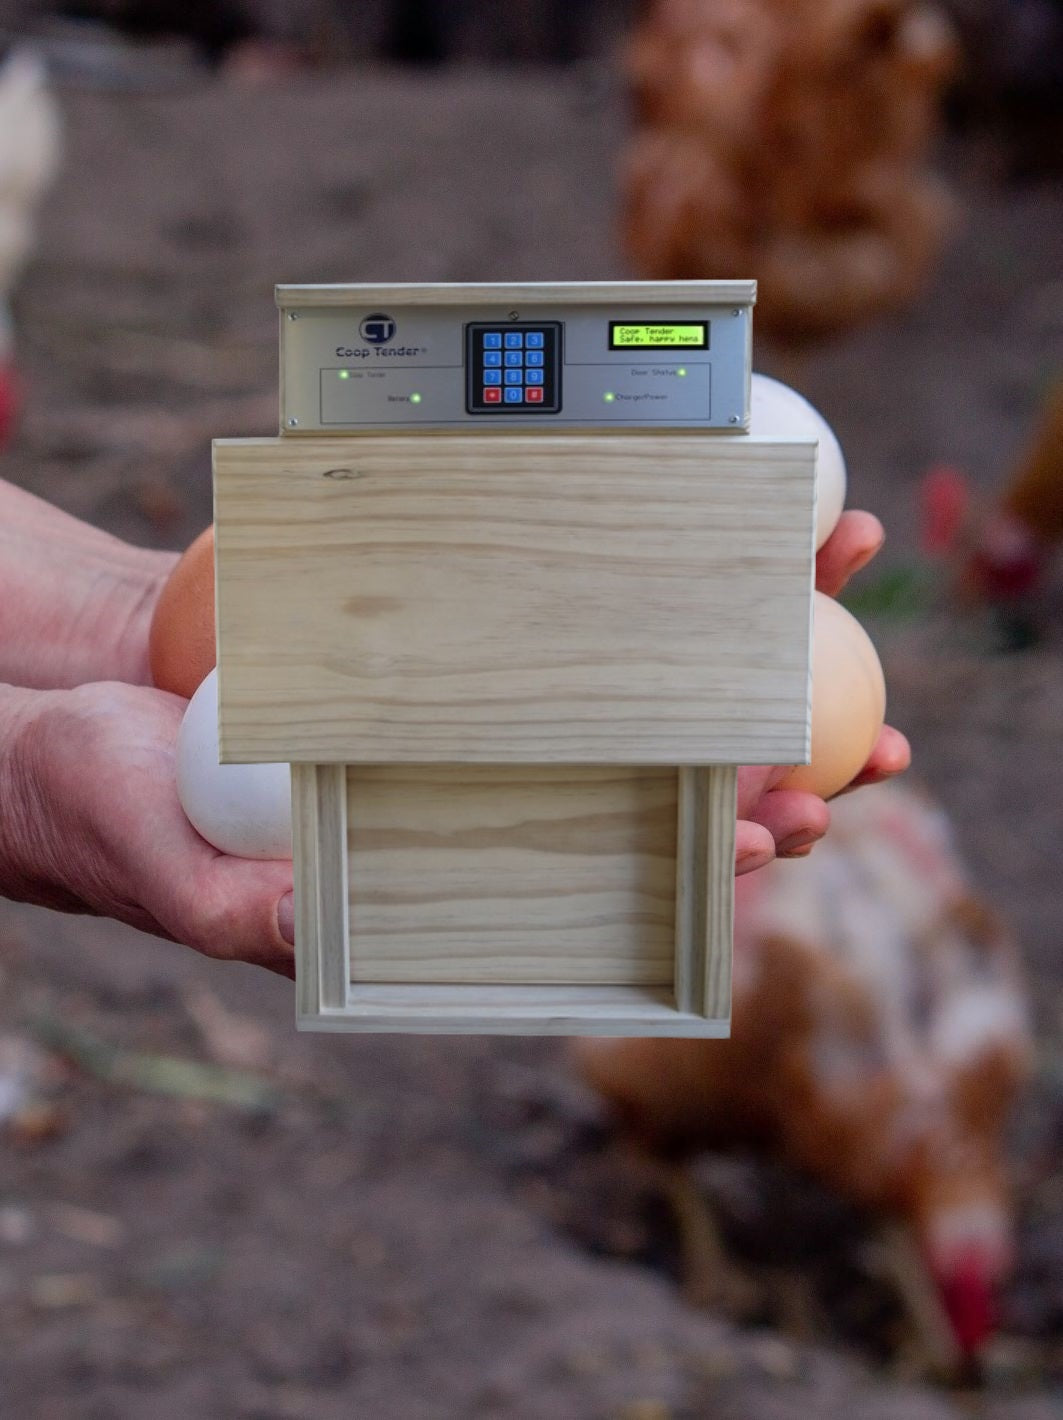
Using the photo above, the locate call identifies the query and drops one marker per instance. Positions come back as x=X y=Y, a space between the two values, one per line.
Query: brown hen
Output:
x=880 y=1036
x=785 y=140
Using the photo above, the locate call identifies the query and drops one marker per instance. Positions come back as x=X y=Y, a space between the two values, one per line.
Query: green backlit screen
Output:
x=683 y=335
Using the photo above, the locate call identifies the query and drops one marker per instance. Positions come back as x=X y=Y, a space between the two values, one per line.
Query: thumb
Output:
x=242 y=910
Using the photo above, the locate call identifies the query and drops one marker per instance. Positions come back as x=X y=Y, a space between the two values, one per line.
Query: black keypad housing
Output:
x=513 y=368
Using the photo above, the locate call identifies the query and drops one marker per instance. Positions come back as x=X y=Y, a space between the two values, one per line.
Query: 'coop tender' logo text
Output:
x=378 y=330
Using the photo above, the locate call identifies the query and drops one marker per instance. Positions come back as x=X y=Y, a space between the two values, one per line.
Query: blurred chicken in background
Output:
x=997 y=551
x=1014 y=540
x=880 y=1039
x=1011 y=84
x=29 y=156
x=786 y=140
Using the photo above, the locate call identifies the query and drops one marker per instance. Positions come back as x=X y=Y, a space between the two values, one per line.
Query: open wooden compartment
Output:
x=497 y=900
x=513 y=674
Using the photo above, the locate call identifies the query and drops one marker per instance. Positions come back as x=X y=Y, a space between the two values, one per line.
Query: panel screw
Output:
x=734 y=419
x=293 y=423
x=294 y=315
x=736 y=312
x=514 y=315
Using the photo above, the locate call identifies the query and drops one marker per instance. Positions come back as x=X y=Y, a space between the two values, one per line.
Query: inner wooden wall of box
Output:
x=513 y=674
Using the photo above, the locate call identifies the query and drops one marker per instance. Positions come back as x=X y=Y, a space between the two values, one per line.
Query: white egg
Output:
x=242 y=809
x=777 y=410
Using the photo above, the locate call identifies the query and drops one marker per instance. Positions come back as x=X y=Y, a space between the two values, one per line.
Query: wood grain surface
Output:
x=319 y=863
x=478 y=874
x=514 y=599
x=705 y=890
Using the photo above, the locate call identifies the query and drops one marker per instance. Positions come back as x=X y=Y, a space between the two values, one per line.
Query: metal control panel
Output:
x=594 y=355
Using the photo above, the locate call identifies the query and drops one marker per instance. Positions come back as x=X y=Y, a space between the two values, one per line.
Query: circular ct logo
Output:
x=377 y=329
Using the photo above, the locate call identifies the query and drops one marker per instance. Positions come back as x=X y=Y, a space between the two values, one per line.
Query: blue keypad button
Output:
x=514 y=395
x=533 y=357
x=514 y=357
x=534 y=377
x=492 y=340
x=492 y=377
x=534 y=339
x=514 y=377
x=514 y=340
x=492 y=357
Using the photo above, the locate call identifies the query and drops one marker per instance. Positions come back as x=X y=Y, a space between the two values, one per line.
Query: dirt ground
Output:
x=403 y=1228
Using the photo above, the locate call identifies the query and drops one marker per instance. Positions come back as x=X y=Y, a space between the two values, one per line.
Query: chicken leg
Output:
x=709 y=1280
x=932 y=1349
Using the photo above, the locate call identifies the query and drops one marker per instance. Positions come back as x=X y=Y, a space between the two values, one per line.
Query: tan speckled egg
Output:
x=848 y=701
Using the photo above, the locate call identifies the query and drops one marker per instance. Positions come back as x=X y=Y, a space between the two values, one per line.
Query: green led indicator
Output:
x=682 y=370
x=609 y=398
x=345 y=374
x=415 y=399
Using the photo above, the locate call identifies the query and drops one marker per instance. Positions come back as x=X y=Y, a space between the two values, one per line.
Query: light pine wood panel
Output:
x=718 y=892
x=582 y=293
x=483 y=598
x=334 y=925
x=305 y=868
x=516 y=1010
x=319 y=859
x=689 y=888
x=512 y=875
x=705 y=890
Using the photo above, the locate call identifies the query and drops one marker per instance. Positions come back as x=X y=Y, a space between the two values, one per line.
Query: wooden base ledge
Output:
x=516 y=1010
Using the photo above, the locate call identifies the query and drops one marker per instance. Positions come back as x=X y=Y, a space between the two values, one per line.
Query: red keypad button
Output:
x=492 y=394
x=534 y=394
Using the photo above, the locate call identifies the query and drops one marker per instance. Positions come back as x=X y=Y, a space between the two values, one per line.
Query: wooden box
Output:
x=513 y=673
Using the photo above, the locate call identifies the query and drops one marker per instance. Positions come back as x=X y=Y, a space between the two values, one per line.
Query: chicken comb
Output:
x=945 y=507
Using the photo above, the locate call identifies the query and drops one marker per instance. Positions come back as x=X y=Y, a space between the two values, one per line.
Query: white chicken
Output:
x=29 y=157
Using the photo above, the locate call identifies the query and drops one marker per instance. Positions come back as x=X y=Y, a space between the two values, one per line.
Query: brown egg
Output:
x=181 y=646
x=848 y=701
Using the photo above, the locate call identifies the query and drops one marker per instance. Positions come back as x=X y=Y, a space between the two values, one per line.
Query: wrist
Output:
x=18 y=812
x=122 y=612
x=75 y=602
x=30 y=863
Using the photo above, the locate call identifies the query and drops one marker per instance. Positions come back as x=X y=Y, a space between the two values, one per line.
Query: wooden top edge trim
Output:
x=308 y=444
x=529 y=293
x=743 y=756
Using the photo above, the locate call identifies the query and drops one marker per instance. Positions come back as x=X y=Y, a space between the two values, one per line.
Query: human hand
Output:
x=75 y=603
x=786 y=823
x=92 y=823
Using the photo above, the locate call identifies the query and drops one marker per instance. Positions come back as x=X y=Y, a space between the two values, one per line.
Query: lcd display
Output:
x=685 y=335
